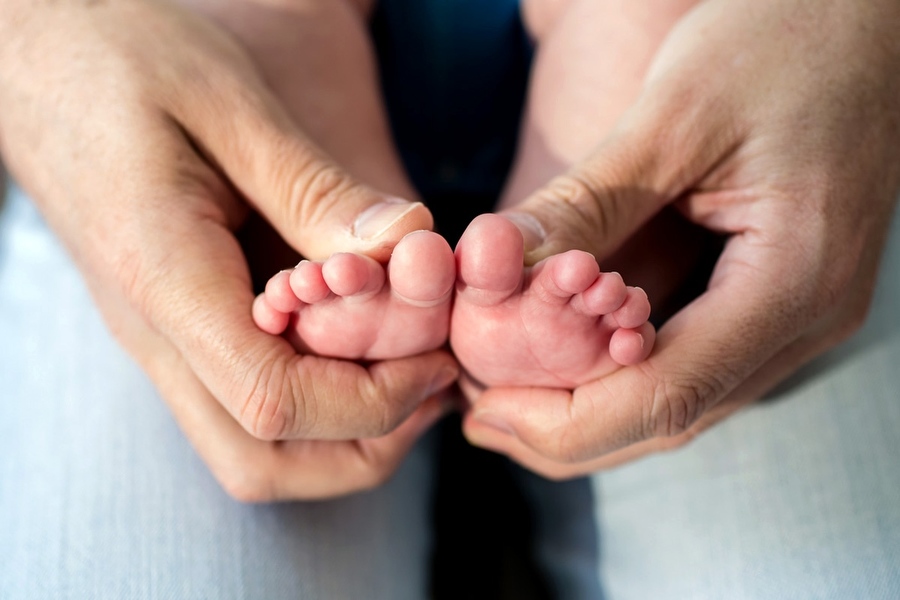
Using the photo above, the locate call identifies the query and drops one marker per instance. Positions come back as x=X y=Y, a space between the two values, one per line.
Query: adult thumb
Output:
x=318 y=208
x=657 y=151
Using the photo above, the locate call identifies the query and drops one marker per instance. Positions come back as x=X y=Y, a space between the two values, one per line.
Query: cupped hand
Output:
x=775 y=123
x=145 y=135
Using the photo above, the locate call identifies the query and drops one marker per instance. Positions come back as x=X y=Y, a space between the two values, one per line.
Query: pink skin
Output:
x=352 y=307
x=558 y=324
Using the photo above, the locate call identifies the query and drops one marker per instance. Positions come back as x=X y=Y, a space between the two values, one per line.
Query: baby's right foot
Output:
x=352 y=307
x=560 y=323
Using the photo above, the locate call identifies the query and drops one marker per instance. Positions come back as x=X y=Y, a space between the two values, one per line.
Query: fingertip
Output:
x=380 y=226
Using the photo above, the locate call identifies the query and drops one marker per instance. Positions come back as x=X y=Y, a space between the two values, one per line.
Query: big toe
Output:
x=422 y=269
x=489 y=259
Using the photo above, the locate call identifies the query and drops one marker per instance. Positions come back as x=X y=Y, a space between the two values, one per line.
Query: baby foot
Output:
x=352 y=307
x=560 y=323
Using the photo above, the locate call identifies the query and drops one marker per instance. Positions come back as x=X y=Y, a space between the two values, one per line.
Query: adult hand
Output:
x=776 y=123
x=144 y=133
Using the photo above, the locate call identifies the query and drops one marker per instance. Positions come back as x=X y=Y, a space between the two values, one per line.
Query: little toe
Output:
x=632 y=346
x=606 y=294
x=279 y=294
x=635 y=310
x=307 y=282
x=562 y=276
x=353 y=274
x=489 y=259
x=268 y=318
x=422 y=269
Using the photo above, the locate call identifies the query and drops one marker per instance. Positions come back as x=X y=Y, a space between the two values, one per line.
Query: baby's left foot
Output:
x=352 y=307
x=560 y=323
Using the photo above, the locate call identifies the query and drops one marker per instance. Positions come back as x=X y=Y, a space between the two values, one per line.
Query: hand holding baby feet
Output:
x=352 y=307
x=558 y=324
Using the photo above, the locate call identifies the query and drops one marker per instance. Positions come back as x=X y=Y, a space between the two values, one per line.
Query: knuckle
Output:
x=676 y=405
x=312 y=190
x=269 y=410
x=136 y=281
x=578 y=193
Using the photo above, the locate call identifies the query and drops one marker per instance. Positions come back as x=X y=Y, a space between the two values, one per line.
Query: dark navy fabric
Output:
x=454 y=75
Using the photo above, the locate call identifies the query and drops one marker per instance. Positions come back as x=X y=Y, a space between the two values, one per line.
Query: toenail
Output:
x=376 y=220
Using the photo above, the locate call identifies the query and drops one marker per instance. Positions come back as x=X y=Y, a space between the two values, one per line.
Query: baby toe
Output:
x=606 y=295
x=279 y=294
x=267 y=317
x=564 y=275
x=308 y=284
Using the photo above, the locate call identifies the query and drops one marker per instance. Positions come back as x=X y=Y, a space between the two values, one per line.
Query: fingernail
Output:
x=373 y=222
x=495 y=422
x=443 y=379
x=533 y=232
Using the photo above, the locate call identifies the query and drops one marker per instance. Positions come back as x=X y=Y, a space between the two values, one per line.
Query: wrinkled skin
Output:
x=145 y=157
x=776 y=123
